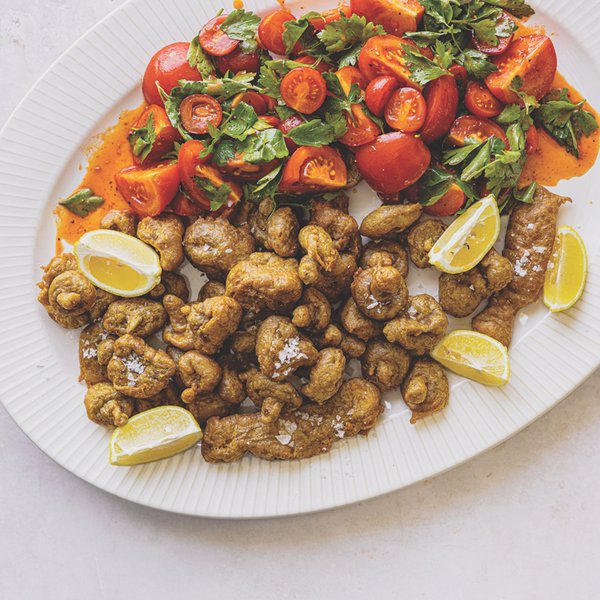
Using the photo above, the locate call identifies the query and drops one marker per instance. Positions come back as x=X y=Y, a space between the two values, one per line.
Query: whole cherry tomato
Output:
x=329 y=16
x=505 y=21
x=481 y=102
x=214 y=40
x=166 y=68
x=393 y=162
x=531 y=58
x=149 y=191
x=198 y=112
x=449 y=204
x=270 y=32
x=532 y=140
x=441 y=96
x=396 y=16
x=286 y=126
x=321 y=66
x=379 y=92
x=304 y=90
x=238 y=61
x=406 y=110
x=165 y=136
x=311 y=170
x=476 y=129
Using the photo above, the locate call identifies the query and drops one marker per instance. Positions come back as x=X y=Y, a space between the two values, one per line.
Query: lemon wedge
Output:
x=475 y=356
x=468 y=238
x=118 y=263
x=567 y=271
x=152 y=435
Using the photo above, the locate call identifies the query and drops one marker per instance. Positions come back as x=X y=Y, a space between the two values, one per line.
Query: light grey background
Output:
x=520 y=522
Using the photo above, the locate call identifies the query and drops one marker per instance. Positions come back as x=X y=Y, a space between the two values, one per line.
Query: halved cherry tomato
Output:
x=505 y=21
x=270 y=102
x=461 y=75
x=481 y=102
x=396 y=16
x=272 y=120
x=329 y=16
x=165 y=135
x=476 y=129
x=304 y=90
x=238 y=61
x=198 y=111
x=286 y=126
x=214 y=40
x=406 y=111
x=184 y=207
x=311 y=170
x=379 y=92
x=532 y=140
x=166 y=68
x=243 y=171
x=322 y=66
x=532 y=58
x=270 y=32
x=441 y=96
x=149 y=191
x=254 y=99
x=393 y=162
x=449 y=204
x=192 y=166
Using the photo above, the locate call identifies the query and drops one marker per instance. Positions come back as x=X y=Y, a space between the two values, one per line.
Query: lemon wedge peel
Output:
x=475 y=356
x=153 y=435
x=567 y=272
x=454 y=240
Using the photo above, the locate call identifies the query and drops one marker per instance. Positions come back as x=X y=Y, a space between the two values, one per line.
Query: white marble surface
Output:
x=520 y=522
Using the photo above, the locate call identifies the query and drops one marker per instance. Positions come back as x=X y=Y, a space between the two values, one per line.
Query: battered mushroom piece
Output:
x=243 y=344
x=342 y=228
x=199 y=373
x=282 y=233
x=211 y=289
x=258 y=218
x=384 y=364
x=165 y=234
x=281 y=348
x=380 y=292
x=124 y=221
x=231 y=387
x=106 y=406
x=265 y=281
x=421 y=239
x=91 y=371
x=318 y=245
x=271 y=397
x=210 y=405
x=138 y=370
x=332 y=284
x=168 y=397
x=202 y=326
x=357 y=324
x=352 y=347
x=326 y=376
x=389 y=220
x=385 y=252
x=314 y=313
x=137 y=316
x=103 y=301
x=420 y=327
x=171 y=283
x=334 y=337
x=307 y=432
x=425 y=389
x=529 y=246
x=215 y=246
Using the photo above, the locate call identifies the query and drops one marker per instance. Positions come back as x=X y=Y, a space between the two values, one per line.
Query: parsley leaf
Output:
x=526 y=194
x=82 y=202
x=142 y=138
x=422 y=69
x=518 y=8
x=302 y=32
x=476 y=63
x=242 y=25
x=242 y=119
x=266 y=187
x=264 y=146
x=224 y=87
x=433 y=185
x=199 y=60
x=217 y=195
x=313 y=133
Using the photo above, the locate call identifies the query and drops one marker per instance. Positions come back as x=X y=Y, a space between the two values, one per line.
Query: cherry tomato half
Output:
x=241 y=170
x=321 y=66
x=532 y=58
x=379 y=92
x=166 y=68
x=460 y=74
x=477 y=129
x=184 y=207
x=304 y=89
x=270 y=32
x=238 y=61
x=214 y=40
x=481 y=102
x=149 y=191
x=311 y=170
x=532 y=140
x=406 y=110
x=254 y=99
x=286 y=126
x=441 y=96
x=396 y=16
x=329 y=16
x=198 y=112
x=165 y=135
x=506 y=22
x=272 y=120
x=449 y=204
x=393 y=162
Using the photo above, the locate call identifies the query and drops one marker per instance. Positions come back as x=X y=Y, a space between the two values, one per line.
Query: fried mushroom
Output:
x=380 y=292
x=210 y=405
x=318 y=245
x=199 y=373
x=165 y=234
x=314 y=312
x=124 y=221
x=421 y=239
x=425 y=390
x=357 y=324
x=341 y=227
x=137 y=316
x=332 y=284
x=385 y=365
x=168 y=397
x=91 y=370
x=326 y=376
x=282 y=233
x=171 y=283
x=231 y=387
x=389 y=220
x=106 y=406
x=211 y=289
x=385 y=252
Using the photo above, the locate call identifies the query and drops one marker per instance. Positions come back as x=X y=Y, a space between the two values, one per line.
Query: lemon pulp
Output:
x=120 y=275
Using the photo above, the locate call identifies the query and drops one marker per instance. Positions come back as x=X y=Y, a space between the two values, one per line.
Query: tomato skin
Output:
x=214 y=40
x=312 y=170
x=238 y=61
x=149 y=191
x=184 y=207
x=242 y=171
x=286 y=126
x=481 y=102
x=272 y=120
x=254 y=99
x=393 y=162
x=406 y=111
x=304 y=90
x=532 y=140
x=322 y=66
x=476 y=128
x=503 y=42
x=449 y=204
x=329 y=16
x=441 y=96
x=533 y=59
x=378 y=94
x=166 y=134
x=270 y=32
x=396 y=16
x=461 y=75
x=198 y=112
x=167 y=67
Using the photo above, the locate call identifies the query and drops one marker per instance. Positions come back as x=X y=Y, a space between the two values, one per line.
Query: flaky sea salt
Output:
x=89 y=353
x=284 y=439
x=289 y=352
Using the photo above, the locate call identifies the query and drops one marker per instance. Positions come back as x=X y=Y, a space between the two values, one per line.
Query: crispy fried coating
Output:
x=231 y=387
x=420 y=327
x=385 y=252
x=265 y=281
x=103 y=301
x=529 y=246
x=202 y=326
x=168 y=397
x=307 y=432
x=258 y=218
x=211 y=289
x=387 y=221
x=326 y=376
x=215 y=246
x=421 y=239
x=124 y=221
x=137 y=316
x=333 y=337
x=332 y=284
x=341 y=227
x=357 y=324
x=380 y=292
x=314 y=312
x=91 y=370
x=210 y=405
x=138 y=370
x=199 y=373
x=318 y=245
x=425 y=390
x=171 y=283
x=243 y=345
x=385 y=365
x=281 y=348
x=106 y=406
x=282 y=233
x=165 y=234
